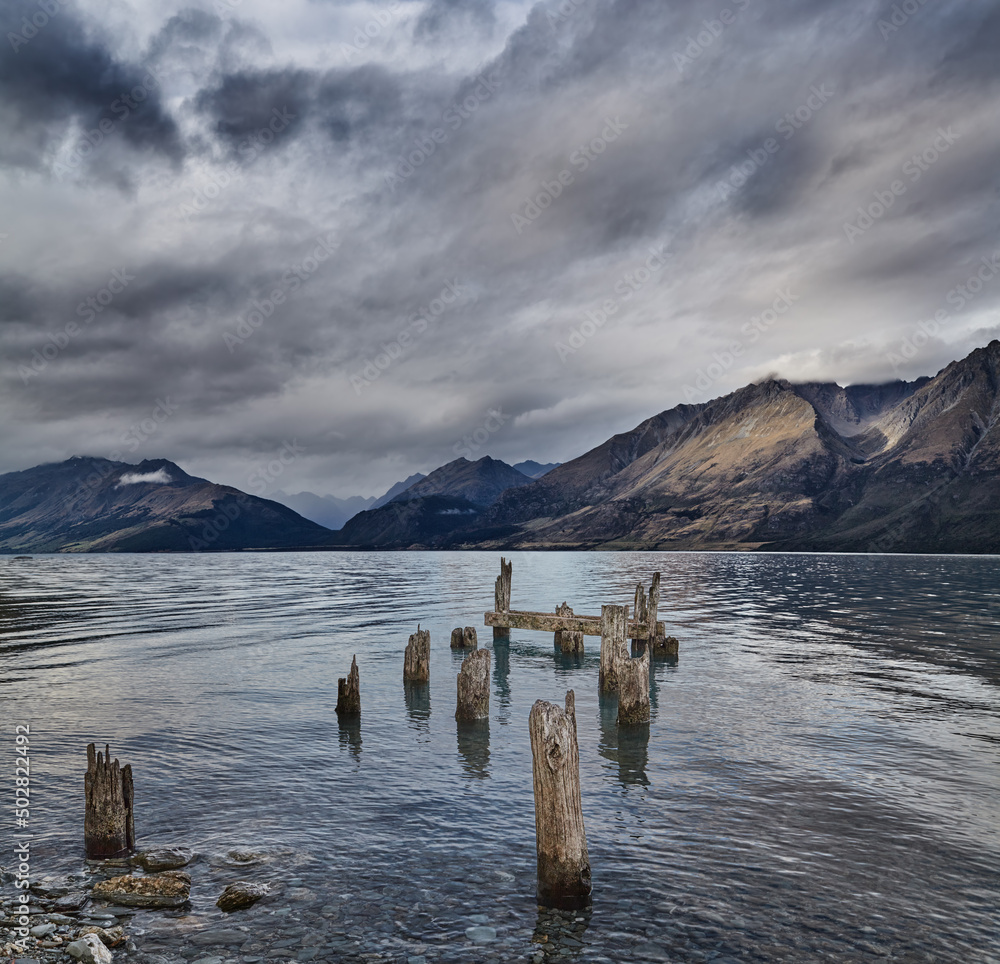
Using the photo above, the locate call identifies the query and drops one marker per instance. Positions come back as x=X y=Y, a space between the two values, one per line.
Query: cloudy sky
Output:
x=351 y=231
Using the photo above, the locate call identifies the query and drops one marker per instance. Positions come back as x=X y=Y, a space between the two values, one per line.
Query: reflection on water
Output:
x=501 y=678
x=625 y=747
x=417 y=697
x=817 y=782
x=474 y=747
x=349 y=728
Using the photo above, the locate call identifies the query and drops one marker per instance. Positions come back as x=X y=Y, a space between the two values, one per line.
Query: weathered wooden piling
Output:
x=633 y=690
x=474 y=687
x=464 y=638
x=570 y=642
x=614 y=651
x=417 y=658
x=560 y=839
x=640 y=608
x=501 y=599
x=349 y=692
x=666 y=646
x=108 y=823
x=563 y=610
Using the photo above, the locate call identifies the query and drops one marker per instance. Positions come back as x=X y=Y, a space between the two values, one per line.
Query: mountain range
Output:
x=898 y=467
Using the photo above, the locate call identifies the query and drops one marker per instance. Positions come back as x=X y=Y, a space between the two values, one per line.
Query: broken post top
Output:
x=502 y=592
x=109 y=827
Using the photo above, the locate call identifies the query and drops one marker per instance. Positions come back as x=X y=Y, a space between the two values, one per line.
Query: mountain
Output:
x=396 y=489
x=451 y=497
x=326 y=510
x=94 y=505
x=481 y=482
x=908 y=466
x=535 y=470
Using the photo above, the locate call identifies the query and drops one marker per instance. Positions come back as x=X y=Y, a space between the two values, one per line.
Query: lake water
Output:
x=820 y=780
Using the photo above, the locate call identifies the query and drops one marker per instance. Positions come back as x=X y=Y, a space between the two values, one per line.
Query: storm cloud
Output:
x=357 y=232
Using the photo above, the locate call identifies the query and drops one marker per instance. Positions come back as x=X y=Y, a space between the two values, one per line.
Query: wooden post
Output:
x=474 y=687
x=349 y=692
x=108 y=823
x=667 y=646
x=464 y=638
x=640 y=607
x=563 y=610
x=501 y=599
x=633 y=690
x=570 y=642
x=614 y=625
x=417 y=658
x=560 y=839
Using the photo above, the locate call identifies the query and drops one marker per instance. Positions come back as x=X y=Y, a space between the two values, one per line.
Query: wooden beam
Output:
x=548 y=622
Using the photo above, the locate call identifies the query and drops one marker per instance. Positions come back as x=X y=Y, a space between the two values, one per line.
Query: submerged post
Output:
x=108 y=824
x=570 y=642
x=474 y=687
x=614 y=625
x=417 y=658
x=633 y=690
x=349 y=692
x=560 y=839
x=501 y=597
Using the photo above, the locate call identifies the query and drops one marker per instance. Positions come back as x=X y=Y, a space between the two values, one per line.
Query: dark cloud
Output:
x=414 y=155
x=57 y=75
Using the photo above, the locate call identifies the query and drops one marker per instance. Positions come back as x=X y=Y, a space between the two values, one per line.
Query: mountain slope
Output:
x=535 y=470
x=898 y=467
x=94 y=505
x=480 y=482
x=324 y=510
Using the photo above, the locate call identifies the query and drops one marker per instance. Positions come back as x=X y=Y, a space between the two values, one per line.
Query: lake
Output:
x=820 y=779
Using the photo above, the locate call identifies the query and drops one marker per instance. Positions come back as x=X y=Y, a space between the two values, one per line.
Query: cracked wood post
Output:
x=640 y=608
x=474 y=687
x=563 y=610
x=570 y=642
x=108 y=823
x=417 y=658
x=614 y=625
x=560 y=839
x=464 y=638
x=633 y=690
x=501 y=598
x=349 y=692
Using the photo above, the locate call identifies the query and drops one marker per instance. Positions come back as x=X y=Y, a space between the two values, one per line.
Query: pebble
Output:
x=481 y=935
